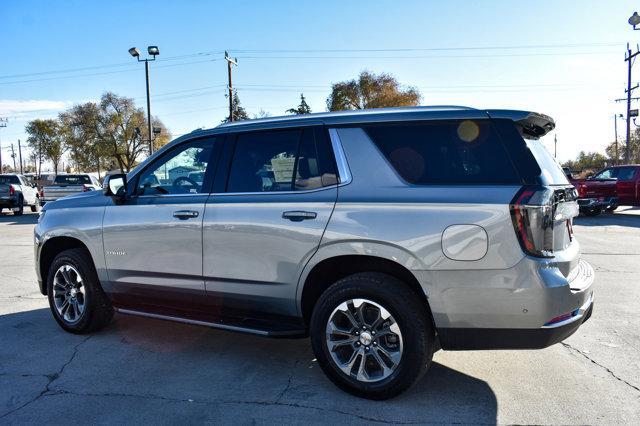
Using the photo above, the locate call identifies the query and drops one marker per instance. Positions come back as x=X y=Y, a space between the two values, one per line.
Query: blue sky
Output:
x=480 y=54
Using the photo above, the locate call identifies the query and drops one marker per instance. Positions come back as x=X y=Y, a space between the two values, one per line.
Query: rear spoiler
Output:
x=532 y=125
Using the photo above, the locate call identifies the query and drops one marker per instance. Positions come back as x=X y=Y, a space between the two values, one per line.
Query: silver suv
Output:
x=385 y=235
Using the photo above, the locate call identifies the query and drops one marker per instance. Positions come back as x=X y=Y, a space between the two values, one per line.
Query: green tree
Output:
x=78 y=125
x=622 y=148
x=45 y=138
x=371 y=91
x=587 y=160
x=303 y=108
x=239 y=113
x=116 y=130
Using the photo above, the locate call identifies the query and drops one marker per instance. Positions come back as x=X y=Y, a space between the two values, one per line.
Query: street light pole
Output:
x=153 y=52
x=146 y=73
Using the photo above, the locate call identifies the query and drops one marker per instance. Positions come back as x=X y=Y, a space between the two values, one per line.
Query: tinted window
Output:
x=280 y=161
x=6 y=180
x=445 y=152
x=73 y=180
x=312 y=169
x=178 y=171
x=550 y=169
x=326 y=160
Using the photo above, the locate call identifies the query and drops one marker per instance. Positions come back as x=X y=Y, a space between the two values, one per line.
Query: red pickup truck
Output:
x=609 y=188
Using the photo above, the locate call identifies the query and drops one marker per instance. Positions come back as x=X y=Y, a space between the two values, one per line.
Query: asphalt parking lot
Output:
x=150 y=371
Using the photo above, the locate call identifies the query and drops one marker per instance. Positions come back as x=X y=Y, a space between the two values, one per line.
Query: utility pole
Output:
x=13 y=155
x=615 y=129
x=555 y=146
x=230 y=62
x=20 y=157
x=629 y=59
x=3 y=123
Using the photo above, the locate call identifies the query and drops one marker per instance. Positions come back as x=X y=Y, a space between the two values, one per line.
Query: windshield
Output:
x=73 y=180
x=552 y=172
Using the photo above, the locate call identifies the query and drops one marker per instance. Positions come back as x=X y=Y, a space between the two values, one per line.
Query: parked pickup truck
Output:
x=627 y=179
x=607 y=189
x=16 y=191
x=64 y=185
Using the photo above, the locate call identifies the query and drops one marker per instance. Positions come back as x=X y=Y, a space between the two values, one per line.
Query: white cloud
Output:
x=17 y=108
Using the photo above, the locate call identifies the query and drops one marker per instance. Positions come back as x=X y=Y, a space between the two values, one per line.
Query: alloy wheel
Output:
x=364 y=340
x=69 y=294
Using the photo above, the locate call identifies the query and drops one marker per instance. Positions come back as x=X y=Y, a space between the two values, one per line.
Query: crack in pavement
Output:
x=286 y=389
x=243 y=402
x=24 y=296
x=607 y=369
x=52 y=378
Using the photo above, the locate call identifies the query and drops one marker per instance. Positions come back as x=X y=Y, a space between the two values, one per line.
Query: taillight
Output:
x=535 y=212
x=582 y=190
x=12 y=190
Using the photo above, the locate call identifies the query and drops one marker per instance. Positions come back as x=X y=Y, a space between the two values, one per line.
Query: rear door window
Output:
x=624 y=173
x=282 y=160
x=465 y=152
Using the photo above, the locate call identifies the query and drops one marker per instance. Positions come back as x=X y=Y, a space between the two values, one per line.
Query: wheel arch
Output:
x=51 y=248
x=331 y=269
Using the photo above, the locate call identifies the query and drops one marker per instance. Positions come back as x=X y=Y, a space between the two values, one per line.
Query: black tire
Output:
x=97 y=311
x=20 y=207
x=409 y=312
x=35 y=207
x=594 y=211
x=611 y=209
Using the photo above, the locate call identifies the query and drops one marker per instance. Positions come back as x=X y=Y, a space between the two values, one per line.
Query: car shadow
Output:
x=624 y=216
x=11 y=219
x=231 y=375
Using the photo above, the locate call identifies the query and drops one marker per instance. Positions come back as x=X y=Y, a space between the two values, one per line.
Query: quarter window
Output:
x=179 y=172
x=463 y=152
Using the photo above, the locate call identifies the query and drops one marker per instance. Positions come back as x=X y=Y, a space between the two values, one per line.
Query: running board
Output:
x=228 y=327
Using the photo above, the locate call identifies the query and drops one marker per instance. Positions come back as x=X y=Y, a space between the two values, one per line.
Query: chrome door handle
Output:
x=299 y=216
x=185 y=214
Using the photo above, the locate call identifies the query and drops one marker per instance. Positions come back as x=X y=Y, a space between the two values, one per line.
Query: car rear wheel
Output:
x=76 y=298
x=372 y=335
x=19 y=209
x=35 y=207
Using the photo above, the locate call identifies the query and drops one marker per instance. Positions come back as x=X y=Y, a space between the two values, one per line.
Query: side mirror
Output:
x=115 y=185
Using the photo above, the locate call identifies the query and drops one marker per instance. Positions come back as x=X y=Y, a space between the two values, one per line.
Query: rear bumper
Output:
x=603 y=202
x=513 y=338
x=8 y=202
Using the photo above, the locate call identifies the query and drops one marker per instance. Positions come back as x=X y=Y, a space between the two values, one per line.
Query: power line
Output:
x=264 y=51
x=100 y=73
x=117 y=65
x=433 y=49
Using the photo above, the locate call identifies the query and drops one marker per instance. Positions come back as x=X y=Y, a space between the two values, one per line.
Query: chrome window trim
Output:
x=306 y=191
x=195 y=194
x=344 y=174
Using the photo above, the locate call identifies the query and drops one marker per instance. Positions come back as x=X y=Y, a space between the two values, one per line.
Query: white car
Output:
x=16 y=191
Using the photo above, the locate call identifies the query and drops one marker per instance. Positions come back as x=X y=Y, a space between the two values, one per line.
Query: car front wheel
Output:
x=76 y=298
x=372 y=335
